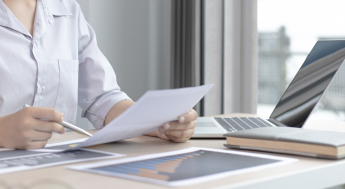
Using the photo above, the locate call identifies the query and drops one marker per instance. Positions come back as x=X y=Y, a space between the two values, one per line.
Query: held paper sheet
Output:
x=185 y=167
x=151 y=111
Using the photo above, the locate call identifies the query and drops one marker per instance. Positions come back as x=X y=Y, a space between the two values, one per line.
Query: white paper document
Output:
x=152 y=110
x=185 y=167
x=60 y=146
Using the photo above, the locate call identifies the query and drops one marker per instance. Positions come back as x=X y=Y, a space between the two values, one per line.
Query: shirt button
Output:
x=39 y=89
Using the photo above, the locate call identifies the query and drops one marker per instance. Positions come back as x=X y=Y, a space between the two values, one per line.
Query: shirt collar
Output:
x=51 y=8
x=45 y=12
x=56 y=8
x=7 y=19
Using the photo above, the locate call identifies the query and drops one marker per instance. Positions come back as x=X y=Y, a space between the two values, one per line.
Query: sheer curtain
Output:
x=229 y=56
x=185 y=41
x=216 y=42
x=240 y=56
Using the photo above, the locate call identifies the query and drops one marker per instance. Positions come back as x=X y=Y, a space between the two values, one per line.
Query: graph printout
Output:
x=54 y=154
x=184 y=167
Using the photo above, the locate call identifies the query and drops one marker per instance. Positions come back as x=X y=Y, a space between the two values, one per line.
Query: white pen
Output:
x=70 y=126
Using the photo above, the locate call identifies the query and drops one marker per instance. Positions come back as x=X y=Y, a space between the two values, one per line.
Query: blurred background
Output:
x=288 y=30
x=250 y=49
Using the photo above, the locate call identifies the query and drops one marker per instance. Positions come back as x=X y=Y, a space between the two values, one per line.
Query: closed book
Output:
x=297 y=141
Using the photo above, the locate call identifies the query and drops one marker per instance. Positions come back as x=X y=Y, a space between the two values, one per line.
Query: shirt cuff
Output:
x=99 y=109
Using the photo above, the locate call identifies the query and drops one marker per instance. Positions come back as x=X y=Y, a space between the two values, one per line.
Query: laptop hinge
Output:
x=277 y=123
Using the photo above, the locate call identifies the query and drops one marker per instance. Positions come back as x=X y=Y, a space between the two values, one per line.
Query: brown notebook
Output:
x=289 y=140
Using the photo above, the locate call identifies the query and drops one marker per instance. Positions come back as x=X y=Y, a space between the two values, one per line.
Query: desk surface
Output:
x=306 y=173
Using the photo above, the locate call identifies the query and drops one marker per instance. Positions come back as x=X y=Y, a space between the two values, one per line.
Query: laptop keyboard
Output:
x=241 y=123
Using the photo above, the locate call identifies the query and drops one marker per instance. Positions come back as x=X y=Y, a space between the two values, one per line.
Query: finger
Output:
x=188 y=117
x=161 y=135
x=36 y=145
x=45 y=113
x=186 y=134
x=41 y=136
x=178 y=126
x=47 y=126
x=177 y=139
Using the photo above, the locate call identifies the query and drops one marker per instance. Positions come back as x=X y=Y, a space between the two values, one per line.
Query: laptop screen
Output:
x=310 y=82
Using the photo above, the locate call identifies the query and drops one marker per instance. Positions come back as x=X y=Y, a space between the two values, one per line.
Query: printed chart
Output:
x=183 y=166
x=53 y=154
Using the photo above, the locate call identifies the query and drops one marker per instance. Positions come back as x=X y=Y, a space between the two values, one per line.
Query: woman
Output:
x=49 y=59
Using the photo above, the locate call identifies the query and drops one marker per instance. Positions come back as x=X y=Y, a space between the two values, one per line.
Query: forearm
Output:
x=117 y=110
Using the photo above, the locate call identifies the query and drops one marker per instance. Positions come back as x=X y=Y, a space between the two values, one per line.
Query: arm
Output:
x=117 y=110
x=98 y=91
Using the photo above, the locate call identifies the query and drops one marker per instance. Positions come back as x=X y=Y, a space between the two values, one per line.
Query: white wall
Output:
x=135 y=37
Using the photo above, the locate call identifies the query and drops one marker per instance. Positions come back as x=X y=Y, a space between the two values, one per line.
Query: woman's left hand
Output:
x=181 y=130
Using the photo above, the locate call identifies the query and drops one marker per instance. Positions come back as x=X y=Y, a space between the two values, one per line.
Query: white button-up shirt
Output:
x=60 y=66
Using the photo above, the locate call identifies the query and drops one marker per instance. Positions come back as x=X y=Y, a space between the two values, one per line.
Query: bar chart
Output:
x=184 y=166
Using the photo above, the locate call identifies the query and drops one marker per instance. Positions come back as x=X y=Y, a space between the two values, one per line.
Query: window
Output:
x=288 y=30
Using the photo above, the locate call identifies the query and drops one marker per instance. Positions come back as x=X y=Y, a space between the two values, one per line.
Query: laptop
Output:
x=298 y=100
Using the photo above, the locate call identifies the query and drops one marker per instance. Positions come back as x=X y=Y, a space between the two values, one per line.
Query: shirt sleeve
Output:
x=98 y=90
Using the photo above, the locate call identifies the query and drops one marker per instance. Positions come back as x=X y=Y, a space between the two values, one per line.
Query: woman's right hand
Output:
x=26 y=129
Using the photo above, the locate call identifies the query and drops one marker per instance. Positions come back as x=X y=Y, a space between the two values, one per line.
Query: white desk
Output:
x=306 y=173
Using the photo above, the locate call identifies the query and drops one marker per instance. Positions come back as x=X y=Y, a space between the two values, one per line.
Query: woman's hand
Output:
x=25 y=129
x=178 y=131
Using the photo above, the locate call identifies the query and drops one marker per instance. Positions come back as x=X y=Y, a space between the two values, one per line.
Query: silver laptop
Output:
x=297 y=102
